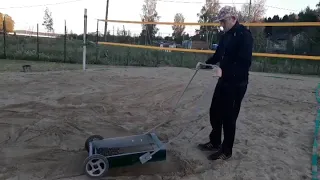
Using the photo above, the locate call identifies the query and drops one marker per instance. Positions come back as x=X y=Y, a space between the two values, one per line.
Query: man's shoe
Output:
x=219 y=155
x=208 y=147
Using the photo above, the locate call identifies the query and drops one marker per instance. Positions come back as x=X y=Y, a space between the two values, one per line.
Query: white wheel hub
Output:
x=96 y=167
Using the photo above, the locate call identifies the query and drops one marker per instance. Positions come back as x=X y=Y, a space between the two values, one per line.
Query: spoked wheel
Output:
x=96 y=166
x=90 y=139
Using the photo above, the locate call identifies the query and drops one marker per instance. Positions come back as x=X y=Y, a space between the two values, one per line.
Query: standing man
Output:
x=234 y=53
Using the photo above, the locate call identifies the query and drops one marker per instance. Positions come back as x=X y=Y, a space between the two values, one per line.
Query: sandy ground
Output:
x=45 y=119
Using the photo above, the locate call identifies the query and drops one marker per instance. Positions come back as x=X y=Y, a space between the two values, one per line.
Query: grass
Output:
x=52 y=50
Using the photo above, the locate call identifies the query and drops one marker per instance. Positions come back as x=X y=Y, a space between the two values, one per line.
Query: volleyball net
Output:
x=184 y=44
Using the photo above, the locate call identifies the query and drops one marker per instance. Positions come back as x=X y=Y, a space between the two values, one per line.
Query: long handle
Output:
x=185 y=89
x=176 y=106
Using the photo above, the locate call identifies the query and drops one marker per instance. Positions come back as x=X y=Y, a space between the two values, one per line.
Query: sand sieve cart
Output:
x=123 y=151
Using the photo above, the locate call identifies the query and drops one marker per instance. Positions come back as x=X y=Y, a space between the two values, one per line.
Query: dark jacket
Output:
x=234 y=53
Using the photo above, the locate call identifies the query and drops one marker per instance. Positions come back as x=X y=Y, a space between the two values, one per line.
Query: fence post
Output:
x=128 y=56
x=291 y=63
x=97 y=40
x=38 y=51
x=4 y=38
x=181 y=59
x=84 y=54
x=264 y=64
x=65 y=42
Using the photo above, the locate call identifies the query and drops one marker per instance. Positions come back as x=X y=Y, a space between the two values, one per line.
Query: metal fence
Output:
x=68 y=48
x=40 y=46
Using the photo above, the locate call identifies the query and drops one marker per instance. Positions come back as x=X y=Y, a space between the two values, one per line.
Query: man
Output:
x=234 y=53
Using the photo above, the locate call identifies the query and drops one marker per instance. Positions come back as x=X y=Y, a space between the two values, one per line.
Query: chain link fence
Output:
x=68 y=48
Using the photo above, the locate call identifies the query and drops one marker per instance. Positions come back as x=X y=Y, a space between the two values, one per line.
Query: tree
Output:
x=123 y=36
x=253 y=13
x=208 y=14
x=178 y=30
x=149 y=14
x=48 y=21
x=9 y=22
x=300 y=40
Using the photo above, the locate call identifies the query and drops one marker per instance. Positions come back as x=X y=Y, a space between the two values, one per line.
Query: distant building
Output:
x=170 y=45
x=189 y=44
x=282 y=43
x=277 y=43
x=214 y=46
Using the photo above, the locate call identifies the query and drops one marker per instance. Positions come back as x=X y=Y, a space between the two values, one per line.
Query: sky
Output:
x=27 y=14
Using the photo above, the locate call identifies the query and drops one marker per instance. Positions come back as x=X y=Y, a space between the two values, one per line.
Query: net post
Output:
x=84 y=41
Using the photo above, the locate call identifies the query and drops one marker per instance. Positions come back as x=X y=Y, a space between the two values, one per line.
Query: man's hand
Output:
x=199 y=65
x=217 y=72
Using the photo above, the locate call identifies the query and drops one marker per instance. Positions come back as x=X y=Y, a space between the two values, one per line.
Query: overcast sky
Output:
x=28 y=13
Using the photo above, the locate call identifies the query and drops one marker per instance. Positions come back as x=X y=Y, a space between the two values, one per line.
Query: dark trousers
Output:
x=224 y=111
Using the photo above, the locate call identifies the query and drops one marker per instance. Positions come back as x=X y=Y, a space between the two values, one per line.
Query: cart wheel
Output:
x=96 y=166
x=90 y=139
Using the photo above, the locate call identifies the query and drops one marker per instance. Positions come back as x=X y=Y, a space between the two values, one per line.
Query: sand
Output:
x=46 y=117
